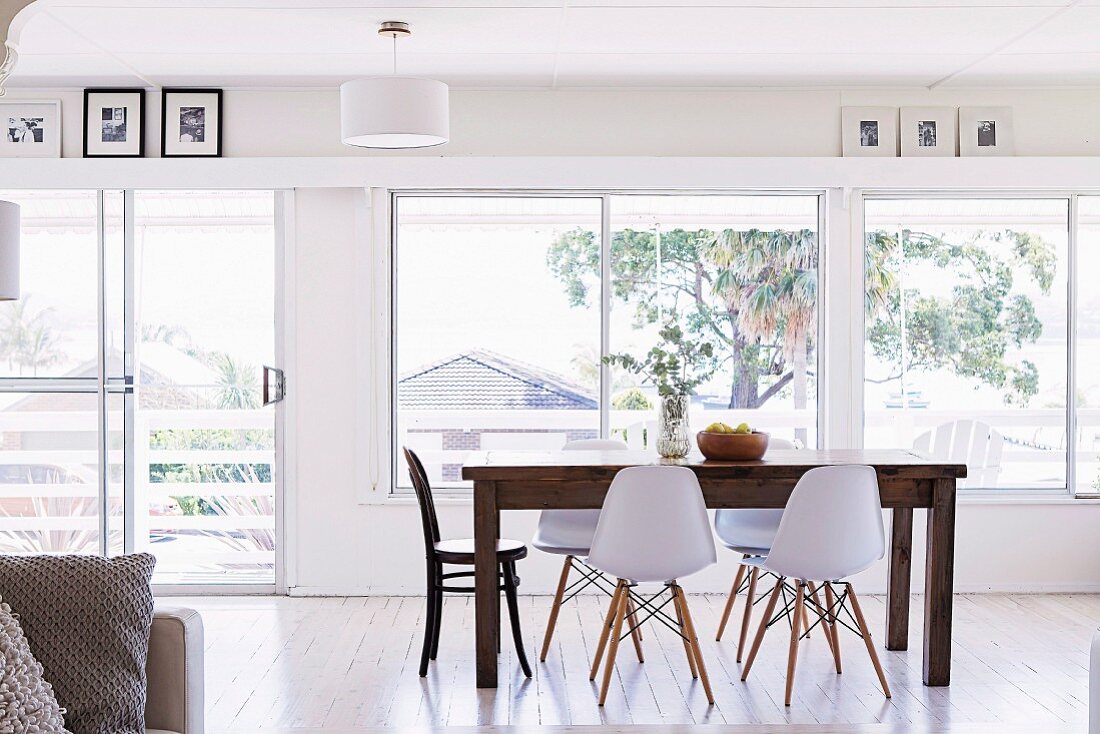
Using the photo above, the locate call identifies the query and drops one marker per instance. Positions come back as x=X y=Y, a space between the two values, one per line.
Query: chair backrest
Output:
x=424 y=498
x=595 y=444
x=574 y=528
x=653 y=526
x=751 y=528
x=974 y=443
x=832 y=525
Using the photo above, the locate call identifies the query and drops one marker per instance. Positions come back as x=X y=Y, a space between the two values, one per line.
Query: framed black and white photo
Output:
x=986 y=131
x=114 y=123
x=191 y=123
x=32 y=129
x=869 y=131
x=928 y=131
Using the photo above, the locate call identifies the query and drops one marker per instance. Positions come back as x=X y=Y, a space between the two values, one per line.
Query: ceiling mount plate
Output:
x=394 y=29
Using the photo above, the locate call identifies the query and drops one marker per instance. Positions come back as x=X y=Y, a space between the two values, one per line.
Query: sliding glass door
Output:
x=131 y=408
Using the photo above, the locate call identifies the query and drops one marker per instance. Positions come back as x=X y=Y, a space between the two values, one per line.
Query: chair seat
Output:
x=558 y=549
x=745 y=550
x=461 y=551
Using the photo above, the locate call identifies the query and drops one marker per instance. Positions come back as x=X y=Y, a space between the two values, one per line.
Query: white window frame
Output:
x=1070 y=197
x=381 y=271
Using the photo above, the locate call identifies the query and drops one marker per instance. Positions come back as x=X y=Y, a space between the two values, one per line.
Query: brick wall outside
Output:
x=470 y=440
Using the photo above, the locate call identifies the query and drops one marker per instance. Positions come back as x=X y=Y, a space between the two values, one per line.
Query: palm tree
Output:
x=236 y=383
x=40 y=349
x=768 y=283
x=27 y=339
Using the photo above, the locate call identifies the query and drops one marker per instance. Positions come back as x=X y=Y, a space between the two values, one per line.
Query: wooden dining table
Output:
x=908 y=480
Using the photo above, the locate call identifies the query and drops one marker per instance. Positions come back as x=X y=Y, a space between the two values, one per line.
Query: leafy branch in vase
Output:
x=676 y=365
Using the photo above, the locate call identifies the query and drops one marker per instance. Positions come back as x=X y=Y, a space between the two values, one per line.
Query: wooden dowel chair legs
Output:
x=623 y=611
x=693 y=639
x=729 y=602
x=830 y=615
x=806 y=594
x=797 y=621
x=867 y=640
x=609 y=622
x=556 y=608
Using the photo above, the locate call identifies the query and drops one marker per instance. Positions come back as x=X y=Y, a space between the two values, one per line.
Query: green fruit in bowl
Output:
x=718 y=427
x=743 y=428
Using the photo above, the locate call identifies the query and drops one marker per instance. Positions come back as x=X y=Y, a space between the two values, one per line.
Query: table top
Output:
x=564 y=465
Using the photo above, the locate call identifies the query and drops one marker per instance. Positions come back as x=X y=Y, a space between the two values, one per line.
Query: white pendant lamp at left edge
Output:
x=394 y=111
x=9 y=251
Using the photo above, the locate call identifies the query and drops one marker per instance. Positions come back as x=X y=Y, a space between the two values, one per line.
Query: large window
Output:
x=130 y=415
x=737 y=272
x=493 y=350
x=966 y=347
x=505 y=307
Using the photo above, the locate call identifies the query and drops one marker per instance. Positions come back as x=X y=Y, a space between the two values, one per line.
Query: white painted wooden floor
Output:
x=1020 y=663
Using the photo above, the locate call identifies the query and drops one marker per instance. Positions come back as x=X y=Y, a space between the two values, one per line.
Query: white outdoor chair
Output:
x=641 y=436
x=653 y=528
x=974 y=443
x=831 y=529
x=569 y=533
x=750 y=533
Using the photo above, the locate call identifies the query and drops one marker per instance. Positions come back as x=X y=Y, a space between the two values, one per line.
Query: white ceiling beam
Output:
x=106 y=51
x=1007 y=44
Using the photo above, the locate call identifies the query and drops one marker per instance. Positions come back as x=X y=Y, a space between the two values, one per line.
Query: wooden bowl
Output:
x=732 y=446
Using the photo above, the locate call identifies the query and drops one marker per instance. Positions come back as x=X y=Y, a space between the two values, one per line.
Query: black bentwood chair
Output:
x=459 y=553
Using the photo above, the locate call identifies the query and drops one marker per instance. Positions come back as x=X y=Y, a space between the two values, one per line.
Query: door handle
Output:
x=274 y=390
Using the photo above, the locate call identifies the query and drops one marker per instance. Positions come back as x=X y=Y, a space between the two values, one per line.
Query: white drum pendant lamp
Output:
x=394 y=111
x=9 y=251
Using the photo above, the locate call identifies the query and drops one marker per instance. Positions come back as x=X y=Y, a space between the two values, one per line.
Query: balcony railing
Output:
x=199 y=530
x=1034 y=453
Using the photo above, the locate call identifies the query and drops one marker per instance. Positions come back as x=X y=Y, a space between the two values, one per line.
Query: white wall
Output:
x=619 y=122
x=337 y=544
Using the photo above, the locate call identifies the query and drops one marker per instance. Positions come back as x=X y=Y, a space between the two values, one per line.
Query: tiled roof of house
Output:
x=480 y=380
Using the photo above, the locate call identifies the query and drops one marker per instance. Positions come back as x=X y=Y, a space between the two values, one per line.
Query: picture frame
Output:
x=31 y=128
x=986 y=131
x=928 y=131
x=869 y=131
x=191 y=123
x=114 y=122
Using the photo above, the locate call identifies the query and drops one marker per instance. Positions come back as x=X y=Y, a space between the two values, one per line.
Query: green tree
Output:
x=631 y=399
x=971 y=331
x=752 y=293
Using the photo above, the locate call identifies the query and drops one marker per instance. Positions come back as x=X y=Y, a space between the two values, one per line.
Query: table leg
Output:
x=938 y=584
x=486 y=595
x=900 y=576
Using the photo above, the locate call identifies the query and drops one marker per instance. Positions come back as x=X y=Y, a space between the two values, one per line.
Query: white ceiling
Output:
x=564 y=43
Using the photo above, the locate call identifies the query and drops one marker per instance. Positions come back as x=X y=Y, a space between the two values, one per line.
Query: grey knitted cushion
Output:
x=87 y=620
x=27 y=703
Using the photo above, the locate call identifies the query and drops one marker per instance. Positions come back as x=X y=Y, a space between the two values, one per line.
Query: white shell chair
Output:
x=831 y=529
x=653 y=528
x=750 y=533
x=569 y=533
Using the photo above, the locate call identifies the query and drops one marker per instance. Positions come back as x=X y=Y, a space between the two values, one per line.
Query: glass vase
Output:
x=673 y=441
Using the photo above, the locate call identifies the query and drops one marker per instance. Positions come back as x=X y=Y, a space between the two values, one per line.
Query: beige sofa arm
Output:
x=175 y=671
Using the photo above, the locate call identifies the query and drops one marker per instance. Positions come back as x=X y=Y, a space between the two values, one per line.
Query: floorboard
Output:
x=350 y=664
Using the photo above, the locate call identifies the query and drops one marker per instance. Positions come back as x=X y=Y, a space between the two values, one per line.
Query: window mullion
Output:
x=605 y=315
x=1071 y=351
